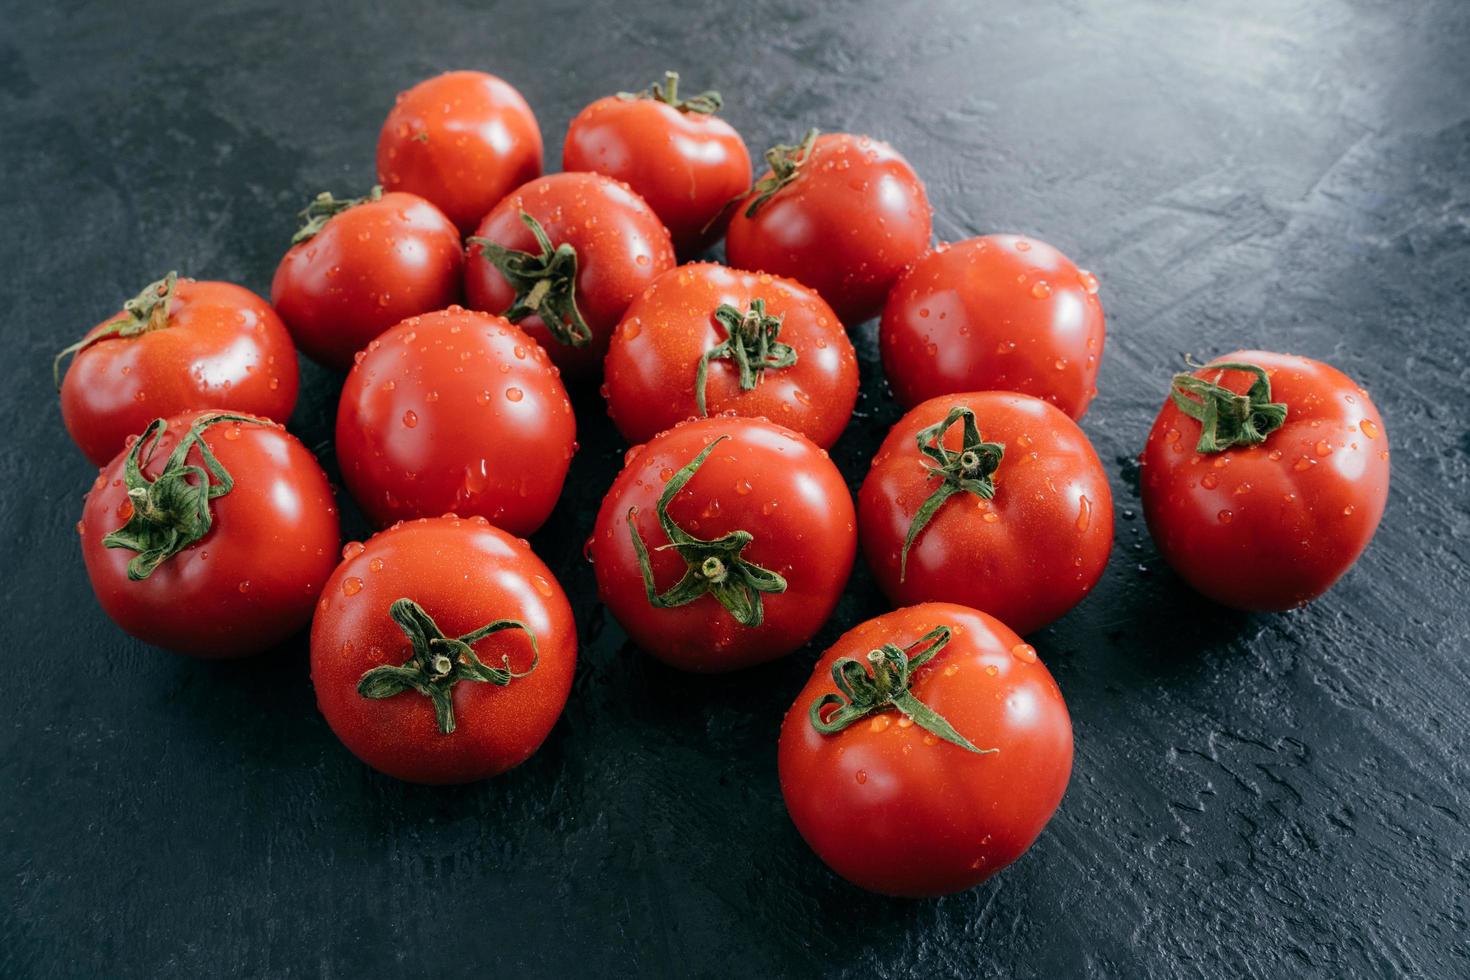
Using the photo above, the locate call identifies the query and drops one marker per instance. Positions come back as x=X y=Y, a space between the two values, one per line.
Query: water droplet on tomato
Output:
x=351 y=585
x=1041 y=289
x=410 y=418
x=542 y=586
x=352 y=549
x=514 y=394
x=1024 y=652
x=375 y=565
x=1225 y=516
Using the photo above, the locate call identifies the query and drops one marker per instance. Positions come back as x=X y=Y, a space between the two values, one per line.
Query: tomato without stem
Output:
x=455 y=411
x=762 y=534
x=995 y=313
x=889 y=799
x=463 y=140
x=990 y=499
x=211 y=535
x=357 y=267
x=707 y=340
x=843 y=214
x=1264 y=501
x=442 y=651
x=180 y=344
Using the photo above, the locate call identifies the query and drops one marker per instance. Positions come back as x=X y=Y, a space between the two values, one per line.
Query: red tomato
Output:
x=675 y=153
x=463 y=140
x=455 y=411
x=1000 y=312
x=881 y=783
x=180 y=344
x=602 y=247
x=707 y=340
x=359 y=266
x=1264 y=481
x=724 y=542
x=442 y=651
x=989 y=499
x=843 y=214
x=210 y=535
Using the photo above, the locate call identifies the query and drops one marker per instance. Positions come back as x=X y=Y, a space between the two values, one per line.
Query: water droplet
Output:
x=514 y=394
x=879 y=723
x=1210 y=481
x=1324 y=448
x=244 y=586
x=351 y=585
x=1084 y=514
x=1041 y=289
x=1088 y=280
x=375 y=565
x=743 y=487
x=352 y=549
x=1369 y=427
x=1022 y=245
x=862 y=776
x=542 y=586
x=410 y=418
x=1225 y=516
x=1024 y=652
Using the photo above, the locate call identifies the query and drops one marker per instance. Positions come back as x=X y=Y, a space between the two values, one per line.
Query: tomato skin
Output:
x=252 y=580
x=463 y=140
x=994 y=313
x=654 y=356
x=621 y=249
x=1273 y=526
x=455 y=411
x=465 y=574
x=855 y=215
x=895 y=810
x=1027 y=555
x=688 y=166
x=224 y=347
x=368 y=268
x=763 y=478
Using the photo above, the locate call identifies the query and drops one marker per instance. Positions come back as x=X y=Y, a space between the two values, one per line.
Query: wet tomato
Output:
x=707 y=340
x=442 y=651
x=180 y=344
x=455 y=411
x=927 y=752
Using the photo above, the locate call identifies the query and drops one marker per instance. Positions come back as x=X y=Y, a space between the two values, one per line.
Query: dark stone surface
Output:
x=1253 y=795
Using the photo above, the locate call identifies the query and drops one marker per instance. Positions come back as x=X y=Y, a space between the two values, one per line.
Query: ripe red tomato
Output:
x=941 y=772
x=210 y=535
x=464 y=140
x=990 y=499
x=563 y=257
x=843 y=214
x=724 y=542
x=687 y=163
x=1264 y=477
x=359 y=266
x=180 y=344
x=707 y=340
x=455 y=411
x=442 y=651
x=995 y=313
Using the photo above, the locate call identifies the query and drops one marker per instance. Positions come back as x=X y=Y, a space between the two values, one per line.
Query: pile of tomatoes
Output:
x=462 y=295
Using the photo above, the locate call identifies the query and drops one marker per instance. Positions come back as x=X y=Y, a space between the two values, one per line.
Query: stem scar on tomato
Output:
x=1227 y=419
x=887 y=686
x=438 y=662
x=705 y=103
x=545 y=283
x=144 y=312
x=324 y=207
x=714 y=567
x=971 y=470
x=750 y=341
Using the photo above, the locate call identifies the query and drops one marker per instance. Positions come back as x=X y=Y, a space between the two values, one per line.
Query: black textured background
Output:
x=1253 y=795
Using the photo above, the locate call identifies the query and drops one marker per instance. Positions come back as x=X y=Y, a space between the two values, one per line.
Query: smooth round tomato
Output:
x=1264 y=481
x=843 y=214
x=359 y=266
x=602 y=247
x=455 y=411
x=898 y=802
x=442 y=651
x=989 y=499
x=995 y=313
x=707 y=340
x=210 y=535
x=681 y=158
x=724 y=542
x=463 y=140
x=180 y=344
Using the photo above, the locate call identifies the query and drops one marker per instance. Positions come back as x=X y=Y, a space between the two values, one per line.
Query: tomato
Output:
x=455 y=411
x=359 y=266
x=442 y=651
x=682 y=159
x=995 y=313
x=707 y=340
x=180 y=344
x=941 y=772
x=989 y=499
x=1264 y=478
x=843 y=214
x=724 y=542
x=563 y=257
x=210 y=535
x=464 y=140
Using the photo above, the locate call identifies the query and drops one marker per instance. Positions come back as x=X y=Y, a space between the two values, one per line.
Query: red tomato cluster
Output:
x=931 y=745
